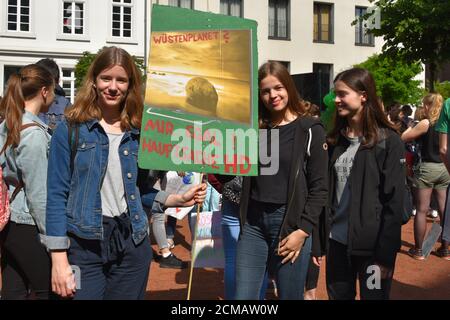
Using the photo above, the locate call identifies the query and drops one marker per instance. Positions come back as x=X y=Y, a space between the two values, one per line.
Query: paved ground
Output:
x=413 y=279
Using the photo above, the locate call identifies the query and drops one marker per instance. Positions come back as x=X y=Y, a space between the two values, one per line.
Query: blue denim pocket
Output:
x=85 y=155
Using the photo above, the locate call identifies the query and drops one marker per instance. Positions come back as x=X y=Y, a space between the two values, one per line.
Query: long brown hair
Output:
x=295 y=103
x=21 y=87
x=373 y=119
x=86 y=108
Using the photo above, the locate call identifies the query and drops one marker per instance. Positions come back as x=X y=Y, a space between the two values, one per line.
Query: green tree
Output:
x=443 y=88
x=394 y=79
x=416 y=30
x=83 y=64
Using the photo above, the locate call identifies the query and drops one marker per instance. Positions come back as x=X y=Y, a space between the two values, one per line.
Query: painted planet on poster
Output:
x=201 y=94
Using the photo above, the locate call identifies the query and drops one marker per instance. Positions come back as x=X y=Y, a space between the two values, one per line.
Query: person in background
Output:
x=312 y=109
x=166 y=258
x=396 y=116
x=407 y=115
x=55 y=113
x=443 y=127
x=431 y=173
x=24 y=140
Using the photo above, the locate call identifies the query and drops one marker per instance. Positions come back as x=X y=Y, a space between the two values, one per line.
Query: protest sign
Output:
x=208 y=248
x=201 y=94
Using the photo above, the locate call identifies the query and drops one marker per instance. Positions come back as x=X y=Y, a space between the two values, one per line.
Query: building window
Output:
x=231 y=8
x=325 y=71
x=362 y=36
x=188 y=4
x=323 y=22
x=73 y=17
x=19 y=15
x=121 y=18
x=68 y=83
x=279 y=19
x=7 y=72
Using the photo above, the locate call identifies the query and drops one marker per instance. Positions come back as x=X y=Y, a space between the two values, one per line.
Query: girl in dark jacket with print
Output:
x=367 y=181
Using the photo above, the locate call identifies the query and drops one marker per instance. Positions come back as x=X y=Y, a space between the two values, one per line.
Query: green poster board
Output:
x=201 y=97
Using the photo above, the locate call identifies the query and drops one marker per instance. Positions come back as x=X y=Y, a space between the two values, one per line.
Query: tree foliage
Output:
x=82 y=66
x=85 y=61
x=443 y=88
x=394 y=79
x=416 y=30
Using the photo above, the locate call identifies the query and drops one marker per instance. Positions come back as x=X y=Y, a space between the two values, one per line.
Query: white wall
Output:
x=46 y=39
x=300 y=51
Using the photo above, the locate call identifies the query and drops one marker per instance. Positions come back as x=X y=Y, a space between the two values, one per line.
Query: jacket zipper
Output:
x=290 y=200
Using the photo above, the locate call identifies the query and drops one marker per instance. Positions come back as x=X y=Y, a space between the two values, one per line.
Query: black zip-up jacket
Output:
x=377 y=188
x=307 y=189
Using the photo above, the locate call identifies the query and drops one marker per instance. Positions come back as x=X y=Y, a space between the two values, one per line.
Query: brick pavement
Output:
x=413 y=279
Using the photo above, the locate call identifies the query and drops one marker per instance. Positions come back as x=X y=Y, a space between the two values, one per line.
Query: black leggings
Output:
x=25 y=263
x=343 y=271
x=312 y=277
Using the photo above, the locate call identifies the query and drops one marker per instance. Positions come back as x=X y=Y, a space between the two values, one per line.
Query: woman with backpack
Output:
x=24 y=141
x=280 y=208
x=431 y=173
x=367 y=185
x=95 y=219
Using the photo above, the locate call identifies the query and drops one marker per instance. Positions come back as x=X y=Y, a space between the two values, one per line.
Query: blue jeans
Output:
x=257 y=253
x=114 y=268
x=230 y=235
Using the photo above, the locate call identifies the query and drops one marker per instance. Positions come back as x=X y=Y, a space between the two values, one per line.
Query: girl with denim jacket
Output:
x=96 y=224
x=24 y=140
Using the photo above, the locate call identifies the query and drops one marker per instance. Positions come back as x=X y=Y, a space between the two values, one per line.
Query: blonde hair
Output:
x=434 y=103
x=86 y=108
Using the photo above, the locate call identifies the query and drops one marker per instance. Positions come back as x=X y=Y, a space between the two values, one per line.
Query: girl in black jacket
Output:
x=280 y=208
x=367 y=181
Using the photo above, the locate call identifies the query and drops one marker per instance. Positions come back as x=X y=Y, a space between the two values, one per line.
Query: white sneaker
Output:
x=171 y=243
x=434 y=214
x=414 y=212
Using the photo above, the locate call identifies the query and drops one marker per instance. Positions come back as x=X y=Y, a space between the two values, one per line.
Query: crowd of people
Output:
x=78 y=198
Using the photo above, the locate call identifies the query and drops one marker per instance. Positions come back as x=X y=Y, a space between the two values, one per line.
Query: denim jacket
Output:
x=28 y=161
x=74 y=201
